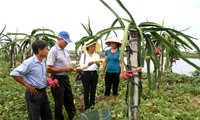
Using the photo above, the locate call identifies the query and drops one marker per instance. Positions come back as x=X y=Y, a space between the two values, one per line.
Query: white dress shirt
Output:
x=88 y=59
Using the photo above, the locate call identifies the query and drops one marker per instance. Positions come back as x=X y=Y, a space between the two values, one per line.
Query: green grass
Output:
x=177 y=99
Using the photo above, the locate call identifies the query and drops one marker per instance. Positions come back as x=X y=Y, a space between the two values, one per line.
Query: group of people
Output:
x=32 y=74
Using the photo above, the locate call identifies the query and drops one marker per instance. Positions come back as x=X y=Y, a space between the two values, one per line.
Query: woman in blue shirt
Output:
x=113 y=68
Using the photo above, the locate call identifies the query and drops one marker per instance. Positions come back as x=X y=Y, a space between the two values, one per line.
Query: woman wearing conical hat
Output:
x=90 y=61
x=112 y=68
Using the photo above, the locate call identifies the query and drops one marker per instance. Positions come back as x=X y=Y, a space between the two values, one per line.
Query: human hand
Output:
x=97 y=63
x=52 y=83
x=32 y=90
x=68 y=69
x=120 y=76
x=79 y=70
x=90 y=63
x=101 y=75
x=56 y=82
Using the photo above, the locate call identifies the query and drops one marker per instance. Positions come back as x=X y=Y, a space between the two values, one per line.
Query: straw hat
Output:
x=89 y=44
x=115 y=40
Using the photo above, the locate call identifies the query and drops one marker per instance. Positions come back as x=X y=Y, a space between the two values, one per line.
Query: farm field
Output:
x=178 y=98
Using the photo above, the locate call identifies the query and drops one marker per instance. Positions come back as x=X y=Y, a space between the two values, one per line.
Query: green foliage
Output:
x=196 y=73
x=178 y=98
x=12 y=100
x=150 y=33
x=17 y=46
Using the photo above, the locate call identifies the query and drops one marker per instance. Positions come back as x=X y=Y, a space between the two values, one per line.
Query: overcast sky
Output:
x=57 y=15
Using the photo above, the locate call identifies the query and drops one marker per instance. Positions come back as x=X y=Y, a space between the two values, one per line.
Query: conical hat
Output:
x=116 y=40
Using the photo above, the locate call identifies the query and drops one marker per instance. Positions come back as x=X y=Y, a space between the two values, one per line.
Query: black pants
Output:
x=90 y=80
x=63 y=96
x=111 y=81
x=38 y=105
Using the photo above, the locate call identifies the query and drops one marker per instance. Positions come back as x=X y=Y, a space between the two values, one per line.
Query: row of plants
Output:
x=178 y=97
x=144 y=42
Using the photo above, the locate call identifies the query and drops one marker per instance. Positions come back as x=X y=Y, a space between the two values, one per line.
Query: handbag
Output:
x=79 y=76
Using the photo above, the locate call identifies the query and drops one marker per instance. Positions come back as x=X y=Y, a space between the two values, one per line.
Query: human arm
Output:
x=52 y=69
x=81 y=64
x=23 y=70
x=97 y=63
x=20 y=80
x=95 y=60
x=122 y=69
x=103 y=67
x=51 y=61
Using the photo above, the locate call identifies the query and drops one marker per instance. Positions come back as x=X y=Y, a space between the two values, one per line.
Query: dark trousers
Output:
x=111 y=81
x=38 y=105
x=63 y=96
x=90 y=80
